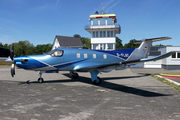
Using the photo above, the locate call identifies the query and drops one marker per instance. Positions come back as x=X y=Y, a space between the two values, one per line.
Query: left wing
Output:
x=87 y=67
x=3 y=58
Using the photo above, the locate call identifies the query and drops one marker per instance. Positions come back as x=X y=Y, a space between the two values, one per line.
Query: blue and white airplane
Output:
x=85 y=60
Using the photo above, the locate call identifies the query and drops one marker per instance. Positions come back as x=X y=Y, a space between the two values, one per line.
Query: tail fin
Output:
x=146 y=44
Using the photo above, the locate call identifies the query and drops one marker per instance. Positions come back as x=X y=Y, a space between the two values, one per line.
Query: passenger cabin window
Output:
x=78 y=55
x=56 y=53
x=104 y=56
x=94 y=55
x=85 y=55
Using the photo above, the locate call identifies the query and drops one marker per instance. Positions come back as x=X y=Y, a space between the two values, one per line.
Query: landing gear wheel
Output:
x=75 y=75
x=97 y=81
x=40 y=80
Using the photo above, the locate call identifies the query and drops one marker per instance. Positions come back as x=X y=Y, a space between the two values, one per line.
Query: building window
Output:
x=93 y=34
x=96 y=33
x=112 y=34
x=108 y=33
x=78 y=55
x=110 y=46
x=94 y=55
x=85 y=55
x=95 y=46
x=104 y=33
x=101 y=34
x=95 y=22
x=104 y=56
x=109 y=21
x=176 y=55
x=102 y=22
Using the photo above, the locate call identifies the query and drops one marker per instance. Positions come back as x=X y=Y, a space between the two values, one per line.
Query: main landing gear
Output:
x=74 y=74
x=40 y=80
x=97 y=81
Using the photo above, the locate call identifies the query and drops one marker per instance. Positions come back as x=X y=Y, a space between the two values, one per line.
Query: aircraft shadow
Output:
x=108 y=85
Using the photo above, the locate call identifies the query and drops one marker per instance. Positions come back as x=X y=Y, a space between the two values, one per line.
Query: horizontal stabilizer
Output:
x=149 y=59
x=152 y=40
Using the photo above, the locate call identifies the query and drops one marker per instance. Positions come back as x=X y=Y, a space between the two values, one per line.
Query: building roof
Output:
x=65 y=41
x=103 y=16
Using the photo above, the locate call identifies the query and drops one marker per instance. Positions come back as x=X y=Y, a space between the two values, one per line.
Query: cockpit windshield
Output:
x=56 y=53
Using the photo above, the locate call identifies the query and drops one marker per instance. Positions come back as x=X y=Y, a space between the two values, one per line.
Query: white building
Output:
x=103 y=28
x=170 y=63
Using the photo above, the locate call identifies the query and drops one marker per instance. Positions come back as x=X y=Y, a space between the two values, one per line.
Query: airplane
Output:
x=85 y=60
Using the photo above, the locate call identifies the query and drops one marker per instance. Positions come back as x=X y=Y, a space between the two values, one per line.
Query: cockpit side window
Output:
x=56 y=53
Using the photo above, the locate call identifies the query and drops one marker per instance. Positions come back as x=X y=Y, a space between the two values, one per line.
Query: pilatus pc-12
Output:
x=85 y=60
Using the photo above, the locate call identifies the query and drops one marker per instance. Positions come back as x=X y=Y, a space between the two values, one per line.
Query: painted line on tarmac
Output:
x=169 y=80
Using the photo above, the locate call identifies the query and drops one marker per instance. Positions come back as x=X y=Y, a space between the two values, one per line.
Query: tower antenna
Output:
x=102 y=12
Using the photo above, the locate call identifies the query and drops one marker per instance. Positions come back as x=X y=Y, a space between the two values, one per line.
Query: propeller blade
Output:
x=12 y=51
x=12 y=70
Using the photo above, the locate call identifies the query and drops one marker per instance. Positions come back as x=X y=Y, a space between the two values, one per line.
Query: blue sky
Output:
x=39 y=21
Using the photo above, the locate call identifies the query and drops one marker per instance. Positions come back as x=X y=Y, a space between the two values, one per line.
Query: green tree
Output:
x=119 y=44
x=131 y=44
x=23 y=48
x=77 y=36
x=86 y=42
x=40 y=49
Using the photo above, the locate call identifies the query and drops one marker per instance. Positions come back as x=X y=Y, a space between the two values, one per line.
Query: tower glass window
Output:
x=104 y=33
x=102 y=22
x=95 y=22
x=109 y=21
x=110 y=46
x=93 y=34
x=95 y=46
x=112 y=35
x=101 y=34
x=96 y=33
x=108 y=33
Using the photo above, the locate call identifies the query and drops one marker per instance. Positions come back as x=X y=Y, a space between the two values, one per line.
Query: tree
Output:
x=131 y=44
x=86 y=42
x=77 y=36
x=119 y=44
x=23 y=48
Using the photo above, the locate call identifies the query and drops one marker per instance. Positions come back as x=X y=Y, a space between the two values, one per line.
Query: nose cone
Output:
x=22 y=62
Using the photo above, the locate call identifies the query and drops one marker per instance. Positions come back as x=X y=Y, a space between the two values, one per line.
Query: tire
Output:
x=75 y=75
x=98 y=81
x=40 y=80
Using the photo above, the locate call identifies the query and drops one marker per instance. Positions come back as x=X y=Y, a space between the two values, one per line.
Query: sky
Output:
x=39 y=21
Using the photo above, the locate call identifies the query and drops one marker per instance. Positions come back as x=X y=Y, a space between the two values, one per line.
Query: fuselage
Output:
x=68 y=59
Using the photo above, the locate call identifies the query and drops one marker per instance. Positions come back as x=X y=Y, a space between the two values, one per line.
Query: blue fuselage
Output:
x=68 y=59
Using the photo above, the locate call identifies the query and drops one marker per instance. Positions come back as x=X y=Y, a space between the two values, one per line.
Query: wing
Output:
x=3 y=58
x=89 y=66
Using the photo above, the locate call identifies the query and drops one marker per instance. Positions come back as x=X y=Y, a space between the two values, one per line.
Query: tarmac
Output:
x=123 y=95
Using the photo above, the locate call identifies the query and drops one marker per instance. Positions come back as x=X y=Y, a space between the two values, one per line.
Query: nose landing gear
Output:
x=40 y=80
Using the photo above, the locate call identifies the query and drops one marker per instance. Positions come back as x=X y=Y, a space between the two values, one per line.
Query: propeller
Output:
x=12 y=58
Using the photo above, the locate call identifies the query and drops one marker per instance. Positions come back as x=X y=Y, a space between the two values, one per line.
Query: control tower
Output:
x=103 y=28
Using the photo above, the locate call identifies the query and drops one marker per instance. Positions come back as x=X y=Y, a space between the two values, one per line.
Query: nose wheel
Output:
x=40 y=80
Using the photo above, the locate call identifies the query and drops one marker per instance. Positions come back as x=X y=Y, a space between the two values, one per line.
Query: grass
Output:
x=3 y=63
x=166 y=82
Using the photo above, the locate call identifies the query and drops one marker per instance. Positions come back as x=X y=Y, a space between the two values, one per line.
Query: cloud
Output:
x=113 y=5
